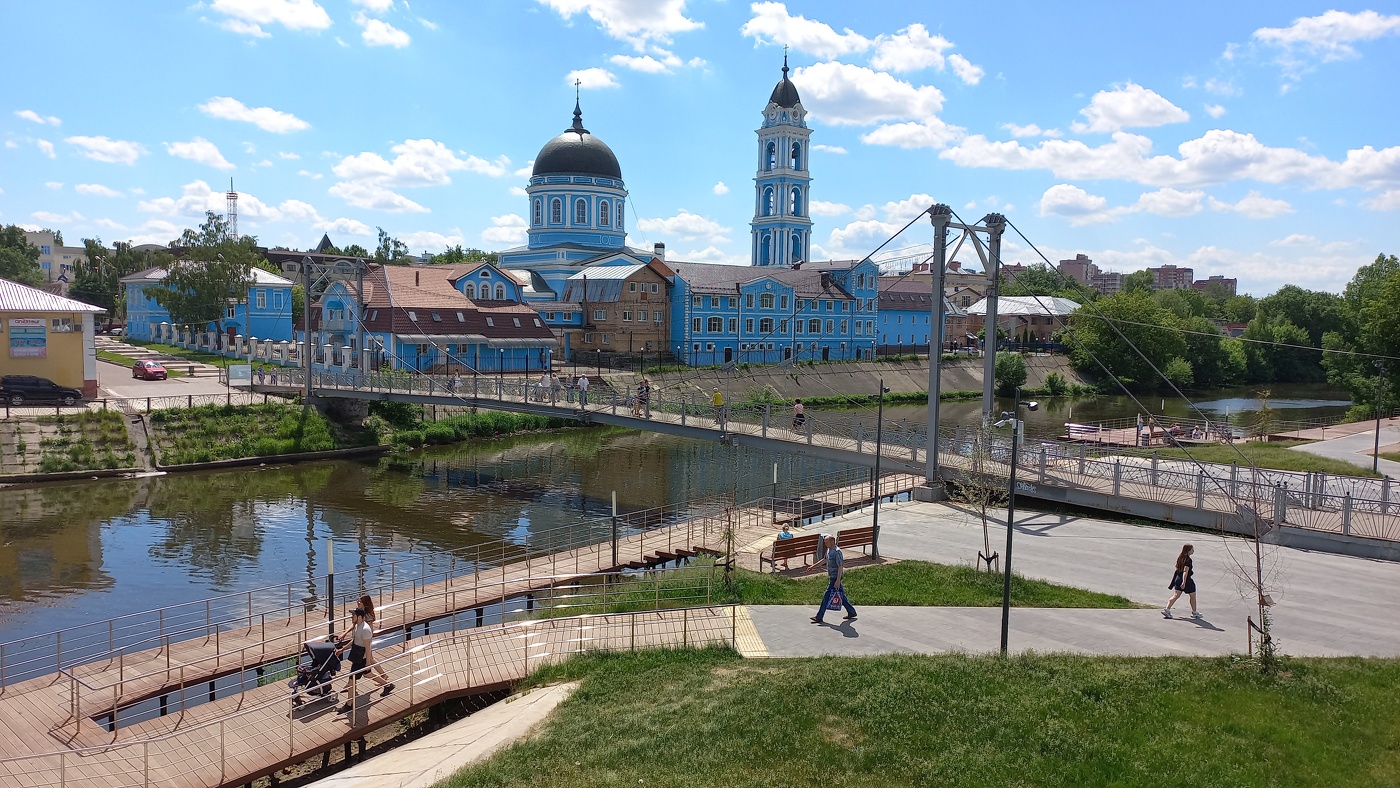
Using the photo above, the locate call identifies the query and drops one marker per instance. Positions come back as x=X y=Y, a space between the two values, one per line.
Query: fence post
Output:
x=1200 y=489
x=1234 y=479
x=1385 y=496
x=1154 y=469
x=1042 y=463
x=1081 y=459
x=765 y=419
x=1346 y=513
x=1280 y=505
x=1117 y=476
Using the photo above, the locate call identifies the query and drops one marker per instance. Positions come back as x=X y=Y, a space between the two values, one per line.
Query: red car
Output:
x=148 y=370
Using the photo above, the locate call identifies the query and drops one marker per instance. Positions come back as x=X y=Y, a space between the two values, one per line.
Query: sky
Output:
x=1252 y=140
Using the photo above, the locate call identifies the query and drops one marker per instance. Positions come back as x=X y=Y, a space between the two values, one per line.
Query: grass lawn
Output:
x=127 y=361
x=699 y=718
x=197 y=356
x=222 y=432
x=1393 y=456
x=917 y=583
x=1273 y=454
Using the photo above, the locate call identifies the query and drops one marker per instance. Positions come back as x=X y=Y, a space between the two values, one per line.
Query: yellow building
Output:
x=47 y=335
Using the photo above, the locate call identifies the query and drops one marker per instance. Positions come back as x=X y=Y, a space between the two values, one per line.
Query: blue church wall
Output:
x=266 y=314
x=489 y=283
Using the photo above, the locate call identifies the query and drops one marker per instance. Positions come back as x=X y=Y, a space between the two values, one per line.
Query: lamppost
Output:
x=875 y=485
x=1018 y=431
x=598 y=360
x=1380 y=391
x=501 y=374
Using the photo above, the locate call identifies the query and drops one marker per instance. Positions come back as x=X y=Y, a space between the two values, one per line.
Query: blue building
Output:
x=781 y=229
x=905 y=321
x=265 y=311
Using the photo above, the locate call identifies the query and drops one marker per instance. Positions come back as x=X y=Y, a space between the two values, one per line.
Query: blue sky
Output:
x=1252 y=140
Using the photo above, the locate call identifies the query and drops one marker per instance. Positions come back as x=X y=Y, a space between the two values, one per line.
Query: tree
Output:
x=979 y=487
x=57 y=236
x=1211 y=361
x=1280 y=351
x=1140 y=321
x=458 y=256
x=1183 y=303
x=391 y=251
x=1010 y=372
x=19 y=259
x=1371 y=325
x=1139 y=282
x=1179 y=373
x=355 y=250
x=97 y=277
x=1238 y=309
x=214 y=269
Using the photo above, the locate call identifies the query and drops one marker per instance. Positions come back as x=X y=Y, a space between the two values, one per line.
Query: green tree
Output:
x=97 y=277
x=1139 y=282
x=1178 y=371
x=1280 y=351
x=1238 y=309
x=1210 y=359
x=1182 y=303
x=1371 y=325
x=1010 y=372
x=1140 y=321
x=390 y=251
x=19 y=259
x=213 y=270
x=355 y=250
x=459 y=256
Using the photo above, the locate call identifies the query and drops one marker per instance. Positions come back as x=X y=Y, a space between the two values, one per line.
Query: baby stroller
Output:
x=314 y=676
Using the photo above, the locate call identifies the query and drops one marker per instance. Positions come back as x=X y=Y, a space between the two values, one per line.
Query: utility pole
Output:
x=306 y=330
x=995 y=226
x=939 y=215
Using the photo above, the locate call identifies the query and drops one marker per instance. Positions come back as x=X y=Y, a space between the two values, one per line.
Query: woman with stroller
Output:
x=361 y=646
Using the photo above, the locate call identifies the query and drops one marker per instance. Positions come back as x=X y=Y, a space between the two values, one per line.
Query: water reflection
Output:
x=77 y=553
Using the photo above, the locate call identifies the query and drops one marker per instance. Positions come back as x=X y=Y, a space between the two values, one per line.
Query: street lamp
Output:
x=1018 y=431
x=501 y=374
x=1380 y=391
x=879 y=446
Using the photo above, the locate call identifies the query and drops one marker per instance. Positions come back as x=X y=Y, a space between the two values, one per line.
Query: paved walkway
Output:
x=1326 y=605
x=435 y=757
x=1356 y=448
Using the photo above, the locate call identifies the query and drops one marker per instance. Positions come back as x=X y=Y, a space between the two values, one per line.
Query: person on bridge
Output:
x=1183 y=581
x=555 y=386
x=644 y=397
x=799 y=415
x=582 y=392
x=361 y=637
x=366 y=603
x=717 y=401
x=835 y=572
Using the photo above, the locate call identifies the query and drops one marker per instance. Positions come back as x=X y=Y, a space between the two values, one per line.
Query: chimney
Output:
x=954 y=266
x=415 y=278
x=659 y=250
x=826 y=280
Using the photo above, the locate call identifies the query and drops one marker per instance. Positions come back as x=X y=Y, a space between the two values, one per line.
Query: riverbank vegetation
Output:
x=709 y=717
x=406 y=424
x=82 y=441
x=1279 y=455
x=228 y=432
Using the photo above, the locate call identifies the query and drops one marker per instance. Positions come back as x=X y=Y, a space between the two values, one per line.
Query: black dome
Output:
x=785 y=93
x=577 y=151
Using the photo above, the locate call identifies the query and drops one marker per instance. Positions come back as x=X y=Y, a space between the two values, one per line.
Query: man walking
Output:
x=835 y=571
x=582 y=392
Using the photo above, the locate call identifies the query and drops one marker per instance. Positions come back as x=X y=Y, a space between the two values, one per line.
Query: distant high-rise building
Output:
x=1169 y=277
x=1081 y=269
x=1228 y=282
x=1107 y=282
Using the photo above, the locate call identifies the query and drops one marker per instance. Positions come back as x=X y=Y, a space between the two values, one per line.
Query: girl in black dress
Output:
x=1183 y=581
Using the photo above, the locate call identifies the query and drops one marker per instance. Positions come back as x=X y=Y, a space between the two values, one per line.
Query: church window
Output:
x=697 y=302
x=604 y=214
x=770 y=160
x=783 y=326
x=714 y=302
x=556 y=211
x=782 y=301
x=765 y=326
x=580 y=211
x=830 y=326
x=748 y=325
x=695 y=325
x=469 y=290
x=714 y=325
x=768 y=201
x=539 y=212
x=748 y=300
x=765 y=301
x=796 y=201
x=765 y=251
x=733 y=325
x=796 y=247
x=796 y=155
x=500 y=292
x=619 y=216
x=814 y=326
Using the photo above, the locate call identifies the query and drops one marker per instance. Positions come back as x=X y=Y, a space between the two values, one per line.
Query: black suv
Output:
x=19 y=389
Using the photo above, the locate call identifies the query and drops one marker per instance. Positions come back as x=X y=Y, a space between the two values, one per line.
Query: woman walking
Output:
x=1183 y=581
x=361 y=645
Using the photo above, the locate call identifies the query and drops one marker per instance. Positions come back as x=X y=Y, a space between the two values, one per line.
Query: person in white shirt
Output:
x=361 y=640
x=582 y=392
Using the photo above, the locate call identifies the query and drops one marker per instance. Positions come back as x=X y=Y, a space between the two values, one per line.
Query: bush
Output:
x=412 y=438
x=1055 y=384
x=404 y=415
x=1179 y=373
x=1010 y=372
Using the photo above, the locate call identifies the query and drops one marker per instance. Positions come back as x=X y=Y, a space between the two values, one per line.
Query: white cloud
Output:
x=772 y=24
x=1214 y=110
x=374 y=197
x=911 y=49
x=155 y=231
x=199 y=150
x=1131 y=106
x=108 y=150
x=247 y=16
x=589 y=78
x=34 y=117
x=508 y=230
x=1170 y=202
x=377 y=6
x=646 y=63
x=686 y=226
x=1295 y=239
x=297 y=211
x=315 y=176
x=1255 y=206
x=422 y=162
x=844 y=94
x=824 y=208
x=1016 y=130
x=710 y=254
x=1223 y=87
x=54 y=184
x=427 y=23
x=288 y=156
x=720 y=188
x=932 y=133
x=866 y=232
x=1326 y=38
x=1388 y=200
x=378 y=33
x=516 y=191
x=11 y=144
x=265 y=118
x=96 y=190
x=46 y=148
x=635 y=21
x=1075 y=204
x=430 y=241
x=526 y=171
x=829 y=148
x=344 y=226
x=197 y=197
x=964 y=68
x=245 y=28
x=51 y=218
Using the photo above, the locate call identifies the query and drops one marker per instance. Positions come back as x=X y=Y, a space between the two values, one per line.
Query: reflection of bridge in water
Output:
x=1338 y=514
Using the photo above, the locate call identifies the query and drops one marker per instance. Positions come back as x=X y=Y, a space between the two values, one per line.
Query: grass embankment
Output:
x=917 y=583
x=84 y=441
x=484 y=424
x=224 y=432
x=127 y=361
x=1393 y=456
x=1269 y=454
x=711 y=718
x=197 y=356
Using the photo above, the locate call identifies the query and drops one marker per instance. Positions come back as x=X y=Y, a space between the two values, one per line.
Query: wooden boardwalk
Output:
x=58 y=713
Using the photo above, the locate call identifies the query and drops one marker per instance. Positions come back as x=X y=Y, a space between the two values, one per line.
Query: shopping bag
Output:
x=835 y=603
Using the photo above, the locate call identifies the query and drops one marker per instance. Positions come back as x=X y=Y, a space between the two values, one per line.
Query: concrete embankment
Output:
x=847 y=378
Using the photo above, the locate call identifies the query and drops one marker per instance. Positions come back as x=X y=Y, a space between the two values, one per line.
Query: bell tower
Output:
x=782 y=224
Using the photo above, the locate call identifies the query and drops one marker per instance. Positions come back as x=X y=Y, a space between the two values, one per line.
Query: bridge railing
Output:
x=243 y=743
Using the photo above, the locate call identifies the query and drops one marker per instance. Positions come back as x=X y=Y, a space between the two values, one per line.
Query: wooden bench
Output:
x=783 y=549
x=856 y=537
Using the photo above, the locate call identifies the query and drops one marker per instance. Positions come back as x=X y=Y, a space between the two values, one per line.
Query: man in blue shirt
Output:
x=835 y=571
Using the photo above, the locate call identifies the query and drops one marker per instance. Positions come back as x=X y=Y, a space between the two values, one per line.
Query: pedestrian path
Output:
x=1357 y=447
x=1325 y=604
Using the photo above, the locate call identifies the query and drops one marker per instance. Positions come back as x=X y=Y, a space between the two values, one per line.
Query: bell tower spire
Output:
x=781 y=229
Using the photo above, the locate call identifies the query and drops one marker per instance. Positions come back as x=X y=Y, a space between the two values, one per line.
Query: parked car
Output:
x=149 y=370
x=19 y=389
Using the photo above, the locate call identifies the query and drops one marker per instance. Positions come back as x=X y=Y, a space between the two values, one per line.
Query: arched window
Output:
x=604 y=215
x=619 y=216
x=556 y=211
x=765 y=249
x=770 y=158
x=796 y=247
x=765 y=301
x=814 y=326
x=469 y=289
x=714 y=325
x=796 y=205
x=539 y=212
x=796 y=157
x=500 y=292
x=580 y=211
x=768 y=201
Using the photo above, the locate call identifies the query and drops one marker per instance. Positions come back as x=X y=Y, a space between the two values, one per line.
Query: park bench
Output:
x=783 y=549
x=856 y=537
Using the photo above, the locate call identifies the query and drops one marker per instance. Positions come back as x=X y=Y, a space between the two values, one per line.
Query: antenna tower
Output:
x=232 y=211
